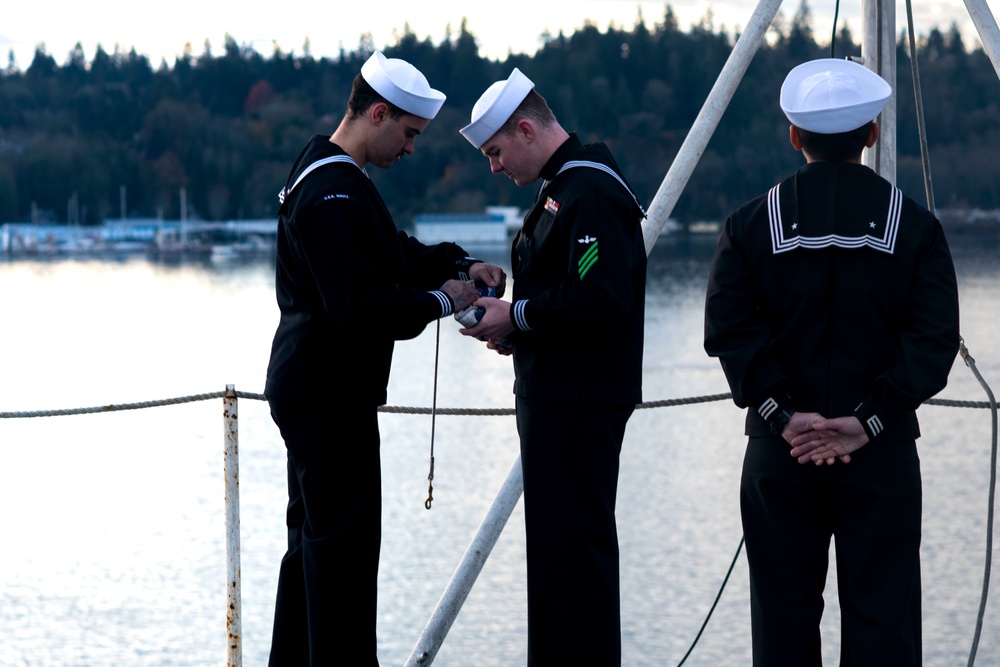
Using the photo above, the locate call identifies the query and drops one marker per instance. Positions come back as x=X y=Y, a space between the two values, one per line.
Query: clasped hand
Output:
x=494 y=326
x=815 y=438
x=464 y=293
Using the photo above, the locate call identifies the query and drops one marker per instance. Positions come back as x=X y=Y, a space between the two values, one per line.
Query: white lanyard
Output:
x=318 y=163
x=600 y=167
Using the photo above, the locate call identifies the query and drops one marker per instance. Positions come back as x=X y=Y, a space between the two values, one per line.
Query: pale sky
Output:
x=161 y=30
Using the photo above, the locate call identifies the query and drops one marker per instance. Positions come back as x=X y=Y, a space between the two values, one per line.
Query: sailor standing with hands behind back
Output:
x=348 y=285
x=576 y=329
x=833 y=308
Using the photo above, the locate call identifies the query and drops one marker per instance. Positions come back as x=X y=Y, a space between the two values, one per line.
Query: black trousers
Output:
x=324 y=614
x=569 y=458
x=871 y=507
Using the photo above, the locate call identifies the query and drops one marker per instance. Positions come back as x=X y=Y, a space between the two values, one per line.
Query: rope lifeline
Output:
x=395 y=409
x=119 y=407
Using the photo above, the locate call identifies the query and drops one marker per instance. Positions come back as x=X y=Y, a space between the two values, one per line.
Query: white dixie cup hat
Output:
x=402 y=84
x=830 y=96
x=495 y=106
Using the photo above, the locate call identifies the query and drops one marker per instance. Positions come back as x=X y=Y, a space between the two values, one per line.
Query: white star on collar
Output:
x=795 y=225
x=872 y=224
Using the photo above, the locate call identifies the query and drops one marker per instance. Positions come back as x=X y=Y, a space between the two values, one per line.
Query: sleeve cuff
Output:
x=464 y=264
x=777 y=412
x=872 y=423
x=873 y=426
x=518 y=317
x=447 y=306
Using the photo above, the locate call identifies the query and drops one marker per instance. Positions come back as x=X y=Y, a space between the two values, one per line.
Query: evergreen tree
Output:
x=226 y=127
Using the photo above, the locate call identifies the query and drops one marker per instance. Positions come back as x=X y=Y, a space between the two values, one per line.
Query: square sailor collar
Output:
x=877 y=233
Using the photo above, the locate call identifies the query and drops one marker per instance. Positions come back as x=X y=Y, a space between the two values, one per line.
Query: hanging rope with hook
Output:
x=434 y=396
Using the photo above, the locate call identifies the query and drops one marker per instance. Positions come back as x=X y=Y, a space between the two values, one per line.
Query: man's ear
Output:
x=872 y=135
x=526 y=129
x=378 y=113
x=793 y=137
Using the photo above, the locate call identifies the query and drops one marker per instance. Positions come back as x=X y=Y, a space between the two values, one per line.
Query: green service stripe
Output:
x=587 y=261
x=591 y=252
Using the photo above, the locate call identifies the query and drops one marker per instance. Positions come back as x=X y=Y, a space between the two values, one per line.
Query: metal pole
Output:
x=234 y=630
x=986 y=25
x=708 y=119
x=878 y=47
x=468 y=569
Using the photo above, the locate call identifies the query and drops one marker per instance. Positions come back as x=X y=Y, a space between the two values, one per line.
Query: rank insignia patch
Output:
x=588 y=260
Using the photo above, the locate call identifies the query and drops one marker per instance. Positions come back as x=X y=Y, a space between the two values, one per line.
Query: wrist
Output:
x=870 y=420
x=777 y=412
x=780 y=420
x=445 y=300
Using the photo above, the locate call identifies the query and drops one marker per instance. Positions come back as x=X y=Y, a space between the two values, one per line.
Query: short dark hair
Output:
x=840 y=147
x=363 y=96
x=533 y=107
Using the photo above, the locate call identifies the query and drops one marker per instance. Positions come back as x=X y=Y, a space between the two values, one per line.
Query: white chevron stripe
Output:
x=875 y=424
x=767 y=408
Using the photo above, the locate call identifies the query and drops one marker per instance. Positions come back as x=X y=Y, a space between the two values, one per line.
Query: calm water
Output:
x=113 y=530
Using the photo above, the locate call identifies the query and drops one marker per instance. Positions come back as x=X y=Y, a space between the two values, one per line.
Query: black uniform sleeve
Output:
x=431 y=265
x=928 y=341
x=347 y=251
x=736 y=331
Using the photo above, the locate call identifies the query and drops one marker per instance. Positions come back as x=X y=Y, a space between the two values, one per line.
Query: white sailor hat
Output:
x=829 y=95
x=495 y=106
x=402 y=84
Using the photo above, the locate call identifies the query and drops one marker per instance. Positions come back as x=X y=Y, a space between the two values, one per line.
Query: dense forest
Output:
x=78 y=139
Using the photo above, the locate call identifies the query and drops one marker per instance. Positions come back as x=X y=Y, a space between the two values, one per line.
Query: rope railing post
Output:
x=468 y=570
x=234 y=631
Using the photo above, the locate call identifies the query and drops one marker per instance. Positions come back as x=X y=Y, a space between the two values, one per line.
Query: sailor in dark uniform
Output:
x=833 y=308
x=575 y=327
x=348 y=285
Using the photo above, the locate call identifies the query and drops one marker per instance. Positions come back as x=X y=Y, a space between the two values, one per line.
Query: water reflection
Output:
x=114 y=522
